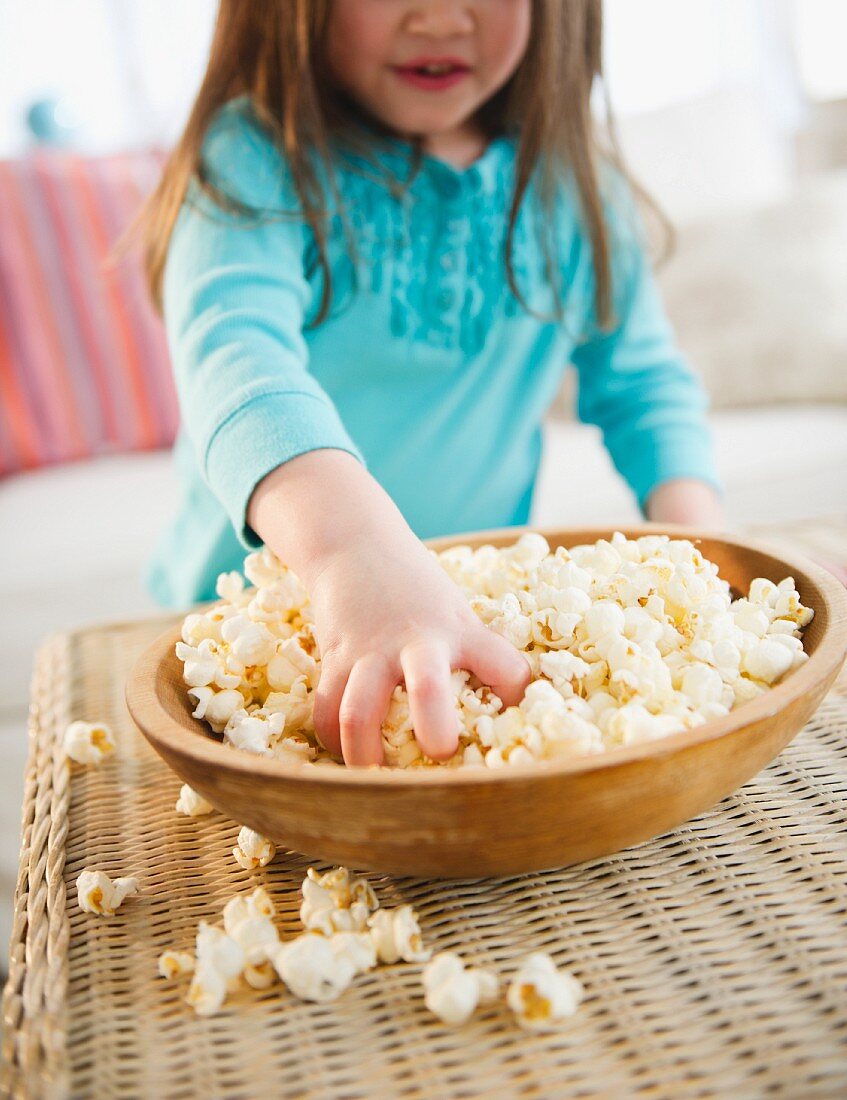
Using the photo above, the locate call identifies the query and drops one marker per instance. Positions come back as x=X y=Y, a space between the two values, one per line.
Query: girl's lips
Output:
x=431 y=73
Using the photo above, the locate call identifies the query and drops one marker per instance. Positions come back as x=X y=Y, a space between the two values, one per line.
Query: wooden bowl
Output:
x=474 y=822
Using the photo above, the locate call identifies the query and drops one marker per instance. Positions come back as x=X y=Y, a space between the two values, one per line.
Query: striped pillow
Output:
x=84 y=366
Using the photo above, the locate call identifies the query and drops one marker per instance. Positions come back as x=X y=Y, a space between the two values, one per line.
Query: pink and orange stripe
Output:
x=84 y=366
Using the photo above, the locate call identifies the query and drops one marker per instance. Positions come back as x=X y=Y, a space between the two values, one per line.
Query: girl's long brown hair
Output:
x=272 y=51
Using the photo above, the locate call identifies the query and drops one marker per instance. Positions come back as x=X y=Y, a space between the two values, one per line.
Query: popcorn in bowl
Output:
x=628 y=640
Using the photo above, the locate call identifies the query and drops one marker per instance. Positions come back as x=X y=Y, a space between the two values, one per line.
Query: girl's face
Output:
x=424 y=67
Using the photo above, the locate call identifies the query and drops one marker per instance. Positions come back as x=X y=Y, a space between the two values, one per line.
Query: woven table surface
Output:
x=714 y=958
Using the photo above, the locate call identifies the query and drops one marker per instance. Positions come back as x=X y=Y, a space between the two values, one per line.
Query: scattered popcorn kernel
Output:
x=397 y=935
x=176 y=964
x=336 y=901
x=356 y=949
x=311 y=968
x=540 y=995
x=253 y=850
x=453 y=992
x=88 y=742
x=243 y=906
x=207 y=991
x=191 y=803
x=260 y=975
x=97 y=893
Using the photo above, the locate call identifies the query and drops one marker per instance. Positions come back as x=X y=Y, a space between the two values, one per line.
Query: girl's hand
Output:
x=390 y=614
x=384 y=608
x=689 y=502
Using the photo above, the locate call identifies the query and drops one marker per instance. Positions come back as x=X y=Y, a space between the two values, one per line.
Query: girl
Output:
x=385 y=231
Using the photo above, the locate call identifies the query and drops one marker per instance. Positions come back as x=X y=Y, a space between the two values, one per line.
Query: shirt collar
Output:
x=395 y=157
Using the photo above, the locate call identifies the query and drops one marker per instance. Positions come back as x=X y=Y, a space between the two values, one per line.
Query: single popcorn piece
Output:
x=397 y=935
x=453 y=992
x=312 y=969
x=336 y=901
x=176 y=964
x=191 y=803
x=253 y=850
x=88 y=742
x=248 y=921
x=216 y=707
x=244 y=906
x=207 y=991
x=97 y=893
x=356 y=949
x=220 y=961
x=218 y=950
x=540 y=995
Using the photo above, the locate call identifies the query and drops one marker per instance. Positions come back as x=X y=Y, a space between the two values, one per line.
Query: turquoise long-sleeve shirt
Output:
x=429 y=370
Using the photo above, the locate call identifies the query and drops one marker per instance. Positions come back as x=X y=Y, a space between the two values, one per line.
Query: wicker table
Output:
x=714 y=957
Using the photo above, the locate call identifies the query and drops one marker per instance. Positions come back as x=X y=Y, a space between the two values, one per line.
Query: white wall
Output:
x=709 y=92
x=124 y=70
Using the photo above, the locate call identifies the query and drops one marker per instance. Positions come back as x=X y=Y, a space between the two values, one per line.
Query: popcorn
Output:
x=250 y=643
x=453 y=992
x=313 y=969
x=97 y=893
x=217 y=707
x=294 y=658
x=207 y=991
x=255 y=934
x=175 y=964
x=219 y=951
x=322 y=962
x=230 y=587
x=246 y=906
x=336 y=902
x=191 y=803
x=356 y=949
x=540 y=995
x=253 y=850
x=219 y=962
x=397 y=935
x=766 y=660
x=256 y=732
x=205 y=665
x=628 y=640
x=88 y=742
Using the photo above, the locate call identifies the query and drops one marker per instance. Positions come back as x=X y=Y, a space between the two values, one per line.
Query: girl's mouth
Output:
x=432 y=73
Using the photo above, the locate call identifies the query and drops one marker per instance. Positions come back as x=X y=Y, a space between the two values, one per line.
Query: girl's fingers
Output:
x=426 y=669
x=499 y=665
x=363 y=708
x=327 y=702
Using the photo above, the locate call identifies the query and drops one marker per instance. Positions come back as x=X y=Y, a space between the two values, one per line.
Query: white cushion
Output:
x=75 y=542
x=777 y=464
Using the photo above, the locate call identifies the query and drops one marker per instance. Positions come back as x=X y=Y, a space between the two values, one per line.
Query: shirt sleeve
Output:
x=635 y=385
x=235 y=302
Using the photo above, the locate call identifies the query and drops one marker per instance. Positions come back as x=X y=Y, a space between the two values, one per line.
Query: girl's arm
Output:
x=635 y=385
x=273 y=449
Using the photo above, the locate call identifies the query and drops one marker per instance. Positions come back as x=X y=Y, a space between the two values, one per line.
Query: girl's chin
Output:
x=425 y=123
